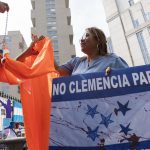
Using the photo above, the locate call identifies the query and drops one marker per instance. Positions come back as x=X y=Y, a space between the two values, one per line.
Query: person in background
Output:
x=3 y=7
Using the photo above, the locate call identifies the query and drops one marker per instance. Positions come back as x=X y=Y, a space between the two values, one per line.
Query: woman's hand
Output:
x=4 y=7
x=35 y=39
x=2 y=60
x=30 y=51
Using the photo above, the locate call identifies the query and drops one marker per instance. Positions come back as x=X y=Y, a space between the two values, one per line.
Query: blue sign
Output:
x=97 y=112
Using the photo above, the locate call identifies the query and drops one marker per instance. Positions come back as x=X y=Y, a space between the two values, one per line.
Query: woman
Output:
x=94 y=45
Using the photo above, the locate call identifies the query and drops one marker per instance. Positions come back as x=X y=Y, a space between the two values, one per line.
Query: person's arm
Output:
x=29 y=51
x=25 y=54
x=3 y=7
x=62 y=71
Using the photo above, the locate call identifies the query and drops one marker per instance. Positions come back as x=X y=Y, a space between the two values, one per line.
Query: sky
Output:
x=18 y=18
x=84 y=13
x=87 y=13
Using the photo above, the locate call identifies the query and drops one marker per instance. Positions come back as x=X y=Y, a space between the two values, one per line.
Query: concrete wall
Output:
x=64 y=31
x=16 y=45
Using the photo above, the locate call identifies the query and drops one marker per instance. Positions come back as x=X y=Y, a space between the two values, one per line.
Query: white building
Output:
x=129 y=26
x=16 y=45
x=52 y=18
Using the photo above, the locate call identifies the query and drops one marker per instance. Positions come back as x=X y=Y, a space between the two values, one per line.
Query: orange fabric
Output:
x=34 y=75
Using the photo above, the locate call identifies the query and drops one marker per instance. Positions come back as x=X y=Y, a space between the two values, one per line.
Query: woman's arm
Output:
x=29 y=51
x=25 y=54
x=61 y=71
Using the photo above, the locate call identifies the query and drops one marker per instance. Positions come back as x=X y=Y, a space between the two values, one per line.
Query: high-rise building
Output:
x=52 y=18
x=129 y=26
x=16 y=45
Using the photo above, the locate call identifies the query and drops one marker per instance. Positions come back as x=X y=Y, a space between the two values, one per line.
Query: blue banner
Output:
x=94 y=111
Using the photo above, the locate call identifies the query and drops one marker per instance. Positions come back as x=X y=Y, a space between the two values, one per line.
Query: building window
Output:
x=72 y=56
x=5 y=87
x=33 y=4
x=53 y=9
x=57 y=59
x=51 y=14
x=8 y=39
x=54 y=37
x=56 y=53
x=49 y=19
x=147 y=16
x=55 y=44
x=71 y=39
x=49 y=6
x=110 y=46
x=34 y=22
x=51 y=28
x=67 y=3
x=19 y=89
x=21 y=45
x=131 y=2
x=69 y=20
x=58 y=62
x=51 y=23
x=48 y=11
x=149 y=30
x=50 y=1
x=136 y=23
x=143 y=47
x=51 y=33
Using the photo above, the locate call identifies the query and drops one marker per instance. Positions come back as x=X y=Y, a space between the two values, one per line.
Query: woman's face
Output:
x=88 y=43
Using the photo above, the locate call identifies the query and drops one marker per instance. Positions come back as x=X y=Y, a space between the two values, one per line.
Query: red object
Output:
x=34 y=74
